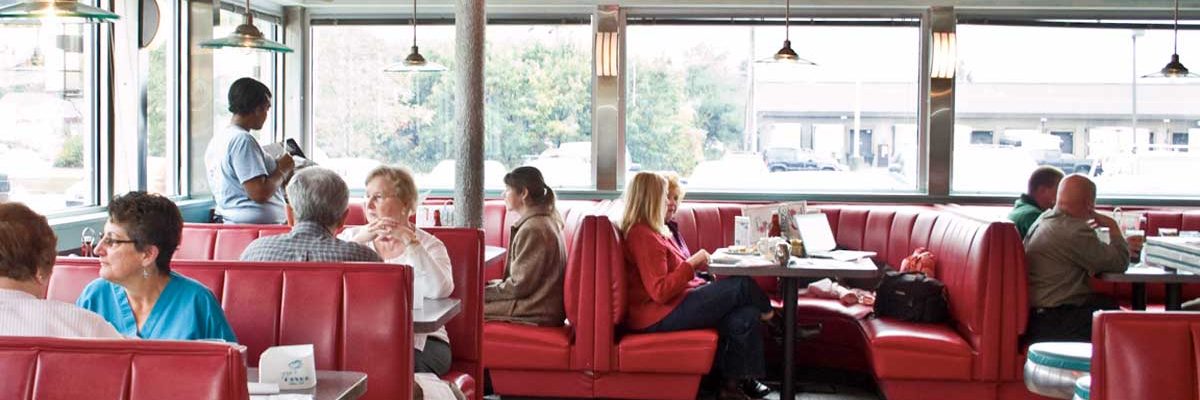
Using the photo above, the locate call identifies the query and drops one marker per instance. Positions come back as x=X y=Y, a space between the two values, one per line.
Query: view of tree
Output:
x=537 y=96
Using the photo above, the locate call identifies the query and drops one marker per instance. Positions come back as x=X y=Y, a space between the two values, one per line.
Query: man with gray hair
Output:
x=317 y=205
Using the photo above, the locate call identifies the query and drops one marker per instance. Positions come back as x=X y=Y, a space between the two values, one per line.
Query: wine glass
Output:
x=88 y=239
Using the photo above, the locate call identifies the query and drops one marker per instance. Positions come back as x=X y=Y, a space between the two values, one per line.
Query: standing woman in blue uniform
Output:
x=137 y=292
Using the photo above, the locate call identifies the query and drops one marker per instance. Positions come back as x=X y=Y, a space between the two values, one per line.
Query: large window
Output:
x=162 y=83
x=698 y=104
x=47 y=124
x=1072 y=98
x=230 y=65
x=537 y=94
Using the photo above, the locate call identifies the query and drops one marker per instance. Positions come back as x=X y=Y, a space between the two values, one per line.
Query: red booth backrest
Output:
x=1184 y=221
x=221 y=241
x=99 y=369
x=358 y=316
x=465 y=246
x=1139 y=355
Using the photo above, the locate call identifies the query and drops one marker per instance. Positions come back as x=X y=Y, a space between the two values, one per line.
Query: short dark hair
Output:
x=27 y=244
x=246 y=95
x=1044 y=176
x=150 y=219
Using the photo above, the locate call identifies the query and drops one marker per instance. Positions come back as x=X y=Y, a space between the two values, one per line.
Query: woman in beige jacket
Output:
x=531 y=291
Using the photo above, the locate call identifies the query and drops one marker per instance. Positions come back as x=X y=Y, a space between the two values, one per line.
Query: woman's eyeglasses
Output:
x=377 y=197
x=110 y=241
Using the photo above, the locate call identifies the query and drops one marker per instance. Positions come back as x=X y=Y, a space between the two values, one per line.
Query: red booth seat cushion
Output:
x=518 y=346
x=684 y=352
x=57 y=368
x=906 y=350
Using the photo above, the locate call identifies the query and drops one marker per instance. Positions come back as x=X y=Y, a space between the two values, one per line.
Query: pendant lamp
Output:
x=60 y=10
x=246 y=36
x=786 y=55
x=415 y=62
x=1174 y=69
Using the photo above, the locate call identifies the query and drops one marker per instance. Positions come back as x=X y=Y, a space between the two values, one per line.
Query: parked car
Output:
x=1066 y=162
x=781 y=159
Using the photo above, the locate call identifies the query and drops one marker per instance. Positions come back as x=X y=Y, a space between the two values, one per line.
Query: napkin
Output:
x=292 y=367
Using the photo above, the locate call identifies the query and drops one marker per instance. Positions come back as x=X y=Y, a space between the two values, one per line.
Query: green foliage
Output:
x=71 y=155
x=156 y=103
x=659 y=129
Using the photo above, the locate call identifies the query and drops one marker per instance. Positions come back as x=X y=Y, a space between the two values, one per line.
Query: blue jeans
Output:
x=733 y=306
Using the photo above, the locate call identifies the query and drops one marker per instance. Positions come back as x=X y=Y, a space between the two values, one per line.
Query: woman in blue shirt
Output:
x=137 y=292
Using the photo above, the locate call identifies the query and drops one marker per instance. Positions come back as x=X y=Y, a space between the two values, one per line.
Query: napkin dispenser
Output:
x=292 y=367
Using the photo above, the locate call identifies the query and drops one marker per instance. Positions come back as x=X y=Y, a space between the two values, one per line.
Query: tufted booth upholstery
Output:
x=465 y=246
x=1138 y=355
x=221 y=241
x=982 y=264
x=100 y=369
x=528 y=360
x=358 y=316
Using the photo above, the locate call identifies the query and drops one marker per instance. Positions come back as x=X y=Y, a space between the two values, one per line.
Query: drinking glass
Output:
x=88 y=240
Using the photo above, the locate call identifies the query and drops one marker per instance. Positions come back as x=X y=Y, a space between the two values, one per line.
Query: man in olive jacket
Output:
x=1062 y=251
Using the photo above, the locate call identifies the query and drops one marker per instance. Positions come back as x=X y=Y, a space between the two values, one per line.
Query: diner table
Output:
x=789 y=275
x=434 y=314
x=1138 y=275
x=492 y=255
x=331 y=385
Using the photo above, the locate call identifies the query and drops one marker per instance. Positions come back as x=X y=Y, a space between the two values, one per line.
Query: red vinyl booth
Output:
x=981 y=263
x=638 y=365
x=358 y=316
x=1140 y=355
x=526 y=360
x=117 y=369
x=464 y=245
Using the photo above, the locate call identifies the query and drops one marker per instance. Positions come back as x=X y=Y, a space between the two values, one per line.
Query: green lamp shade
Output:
x=248 y=37
x=67 y=11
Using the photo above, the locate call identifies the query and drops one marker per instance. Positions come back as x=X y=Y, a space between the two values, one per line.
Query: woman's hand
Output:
x=388 y=229
x=700 y=257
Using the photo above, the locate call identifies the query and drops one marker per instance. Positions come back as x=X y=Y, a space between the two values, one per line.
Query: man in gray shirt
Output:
x=317 y=204
x=1062 y=251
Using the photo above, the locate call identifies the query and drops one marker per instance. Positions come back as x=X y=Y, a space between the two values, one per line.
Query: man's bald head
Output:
x=1077 y=196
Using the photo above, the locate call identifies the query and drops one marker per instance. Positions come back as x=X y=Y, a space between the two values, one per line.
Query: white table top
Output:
x=434 y=314
x=754 y=265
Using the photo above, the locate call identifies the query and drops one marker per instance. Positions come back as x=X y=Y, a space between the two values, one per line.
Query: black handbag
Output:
x=911 y=296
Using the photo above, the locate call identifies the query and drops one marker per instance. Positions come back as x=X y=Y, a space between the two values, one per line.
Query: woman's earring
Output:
x=145 y=273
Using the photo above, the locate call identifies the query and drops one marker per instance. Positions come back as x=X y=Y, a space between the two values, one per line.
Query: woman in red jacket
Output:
x=659 y=297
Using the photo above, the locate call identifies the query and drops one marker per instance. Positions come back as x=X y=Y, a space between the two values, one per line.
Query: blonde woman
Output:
x=391 y=199
x=660 y=299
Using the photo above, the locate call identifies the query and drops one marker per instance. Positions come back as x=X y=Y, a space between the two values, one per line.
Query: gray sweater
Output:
x=1062 y=252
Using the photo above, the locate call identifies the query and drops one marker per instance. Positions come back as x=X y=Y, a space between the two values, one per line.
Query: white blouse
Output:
x=432 y=276
x=22 y=314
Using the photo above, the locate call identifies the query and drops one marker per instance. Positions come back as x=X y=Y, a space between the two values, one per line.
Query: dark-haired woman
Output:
x=531 y=291
x=137 y=292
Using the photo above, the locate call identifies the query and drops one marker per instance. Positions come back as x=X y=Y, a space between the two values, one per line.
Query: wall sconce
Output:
x=607 y=49
x=945 y=55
